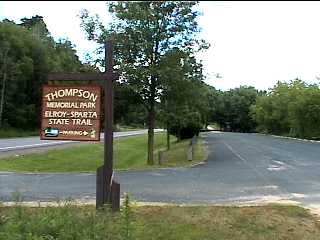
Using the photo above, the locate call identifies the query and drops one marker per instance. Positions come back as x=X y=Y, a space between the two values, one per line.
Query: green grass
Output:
x=177 y=156
x=12 y=133
x=129 y=153
x=159 y=223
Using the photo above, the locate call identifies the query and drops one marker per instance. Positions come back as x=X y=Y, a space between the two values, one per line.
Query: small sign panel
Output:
x=71 y=113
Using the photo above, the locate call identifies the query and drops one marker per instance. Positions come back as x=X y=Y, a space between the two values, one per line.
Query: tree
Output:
x=232 y=109
x=4 y=49
x=37 y=26
x=144 y=32
x=128 y=108
x=181 y=95
x=26 y=57
x=289 y=109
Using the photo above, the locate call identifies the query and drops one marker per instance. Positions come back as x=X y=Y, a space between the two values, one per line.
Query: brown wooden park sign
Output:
x=73 y=112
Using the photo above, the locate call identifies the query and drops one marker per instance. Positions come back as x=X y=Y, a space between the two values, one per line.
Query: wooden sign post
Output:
x=107 y=190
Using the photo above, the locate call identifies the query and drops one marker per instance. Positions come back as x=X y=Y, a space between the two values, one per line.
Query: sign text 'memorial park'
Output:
x=71 y=112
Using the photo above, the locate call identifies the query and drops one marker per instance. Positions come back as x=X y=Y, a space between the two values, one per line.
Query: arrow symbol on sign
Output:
x=85 y=133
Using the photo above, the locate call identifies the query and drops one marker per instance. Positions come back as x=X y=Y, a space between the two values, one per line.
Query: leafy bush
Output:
x=186 y=126
x=189 y=131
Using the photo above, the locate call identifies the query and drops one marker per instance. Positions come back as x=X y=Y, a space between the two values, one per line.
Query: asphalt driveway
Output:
x=241 y=168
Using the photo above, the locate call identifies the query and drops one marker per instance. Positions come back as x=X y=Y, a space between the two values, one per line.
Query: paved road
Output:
x=30 y=144
x=240 y=168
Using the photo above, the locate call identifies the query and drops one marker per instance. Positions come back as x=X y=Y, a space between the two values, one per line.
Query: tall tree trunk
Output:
x=151 y=119
x=179 y=135
x=151 y=124
x=4 y=79
x=152 y=111
x=168 y=137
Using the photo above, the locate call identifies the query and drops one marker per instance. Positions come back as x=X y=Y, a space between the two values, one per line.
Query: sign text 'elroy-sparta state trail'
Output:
x=71 y=112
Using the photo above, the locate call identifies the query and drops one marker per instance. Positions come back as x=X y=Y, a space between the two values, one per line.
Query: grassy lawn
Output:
x=177 y=156
x=129 y=153
x=154 y=222
x=12 y=133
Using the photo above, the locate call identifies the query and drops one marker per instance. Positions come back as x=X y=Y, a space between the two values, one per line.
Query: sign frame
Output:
x=107 y=189
x=98 y=125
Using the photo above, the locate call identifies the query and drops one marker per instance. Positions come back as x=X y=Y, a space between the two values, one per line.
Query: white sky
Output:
x=252 y=43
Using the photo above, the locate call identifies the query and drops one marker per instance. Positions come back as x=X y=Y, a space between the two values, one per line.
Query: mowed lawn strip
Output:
x=232 y=223
x=160 y=222
x=178 y=155
x=129 y=153
x=13 y=133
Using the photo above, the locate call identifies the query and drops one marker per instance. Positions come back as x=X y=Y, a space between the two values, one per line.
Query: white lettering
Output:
x=71 y=105
x=86 y=122
x=55 y=114
x=62 y=121
x=72 y=92
x=86 y=94
x=84 y=114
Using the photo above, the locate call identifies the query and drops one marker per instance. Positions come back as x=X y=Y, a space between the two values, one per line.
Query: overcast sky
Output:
x=252 y=43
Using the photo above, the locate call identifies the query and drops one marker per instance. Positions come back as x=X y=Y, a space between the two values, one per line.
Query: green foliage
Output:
x=65 y=222
x=185 y=103
x=290 y=109
x=126 y=220
x=145 y=34
x=70 y=222
x=232 y=109
x=128 y=108
x=27 y=54
x=185 y=125
x=13 y=133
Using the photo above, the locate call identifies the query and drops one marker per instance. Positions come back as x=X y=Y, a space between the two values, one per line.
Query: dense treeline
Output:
x=27 y=54
x=291 y=109
x=183 y=103
x=232 y=109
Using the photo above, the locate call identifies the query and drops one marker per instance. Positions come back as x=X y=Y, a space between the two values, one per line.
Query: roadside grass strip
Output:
x=129 y=153
x=272 y=222
x=13 y=133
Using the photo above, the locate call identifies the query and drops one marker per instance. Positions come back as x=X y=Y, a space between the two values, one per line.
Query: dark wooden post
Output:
x=108 y=122
x=107 y=190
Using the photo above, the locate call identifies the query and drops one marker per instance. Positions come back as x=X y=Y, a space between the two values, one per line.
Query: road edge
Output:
x=285 y=137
